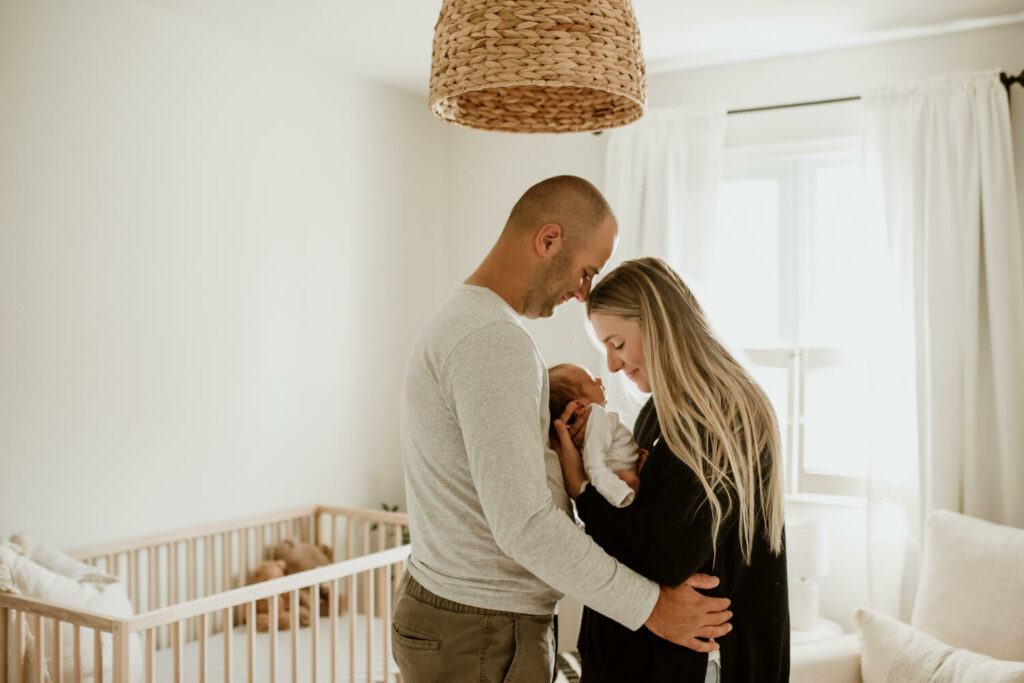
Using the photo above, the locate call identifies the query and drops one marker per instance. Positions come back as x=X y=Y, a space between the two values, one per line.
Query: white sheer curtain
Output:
x=941 y=154
x=661 y=179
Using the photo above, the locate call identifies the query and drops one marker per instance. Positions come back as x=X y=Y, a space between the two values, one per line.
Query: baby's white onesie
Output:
x=609 y=448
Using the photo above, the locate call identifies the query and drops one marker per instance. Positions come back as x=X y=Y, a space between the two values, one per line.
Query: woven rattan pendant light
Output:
x=522 y=66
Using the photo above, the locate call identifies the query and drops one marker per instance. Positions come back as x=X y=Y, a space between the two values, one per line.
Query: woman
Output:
x=710 y=497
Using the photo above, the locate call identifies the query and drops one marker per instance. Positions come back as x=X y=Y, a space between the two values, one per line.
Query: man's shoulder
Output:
x=471 y=321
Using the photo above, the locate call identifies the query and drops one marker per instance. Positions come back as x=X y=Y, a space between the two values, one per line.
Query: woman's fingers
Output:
x=701 y=645
x=714 y=631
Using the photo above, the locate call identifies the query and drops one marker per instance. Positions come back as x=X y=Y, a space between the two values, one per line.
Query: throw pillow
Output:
x=893 y=652
x=971 y=590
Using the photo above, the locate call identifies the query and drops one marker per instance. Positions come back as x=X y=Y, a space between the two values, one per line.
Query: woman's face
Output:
x=624 y=345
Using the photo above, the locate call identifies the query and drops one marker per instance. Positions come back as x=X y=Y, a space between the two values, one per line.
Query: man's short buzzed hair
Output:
x=568 y=200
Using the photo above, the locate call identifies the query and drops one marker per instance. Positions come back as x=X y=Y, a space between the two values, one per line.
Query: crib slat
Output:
x=225 y=561
x=243 y=556
x=172 y=573
x=352 y=602
x=334 y=539
x=19 y=639
x=273 y=637
x=121 y=664
x=228 y=630
x=134 y=561
x=386 y=621
x=250 y=624
x=58 y=651
x=349 y=540
x=190 y=574
x=5 y=614
x=37 y=633
x=368 y=596
x=78 y=654
x=314 y=600
x=208 y=577
x=203 y=633
x=150 y=656
x=332 y=609
x=178 y=661
x=97 y=657
x=170 y=598
x=293 y=606
x=152 y=599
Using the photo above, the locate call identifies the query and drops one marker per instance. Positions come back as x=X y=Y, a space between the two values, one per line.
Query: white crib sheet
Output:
x=164 y=664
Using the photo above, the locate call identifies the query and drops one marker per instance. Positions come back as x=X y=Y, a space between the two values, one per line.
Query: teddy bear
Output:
x=299 y=557
x=265 y=571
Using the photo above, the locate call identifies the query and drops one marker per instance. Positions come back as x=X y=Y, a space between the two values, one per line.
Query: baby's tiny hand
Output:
x=641 y=459
x=630 y=478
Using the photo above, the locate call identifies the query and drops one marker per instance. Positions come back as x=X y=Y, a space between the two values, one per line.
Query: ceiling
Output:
x=389 y=41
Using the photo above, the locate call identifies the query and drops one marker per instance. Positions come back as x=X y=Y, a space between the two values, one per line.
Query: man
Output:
x=494 y=546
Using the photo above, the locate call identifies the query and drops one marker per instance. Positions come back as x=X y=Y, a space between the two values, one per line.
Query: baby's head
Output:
x=571 y=382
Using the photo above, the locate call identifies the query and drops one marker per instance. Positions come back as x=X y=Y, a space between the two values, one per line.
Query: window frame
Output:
x=792 y=165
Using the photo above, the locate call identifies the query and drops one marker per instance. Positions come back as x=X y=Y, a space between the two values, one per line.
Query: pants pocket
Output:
x=403 y=636
x=533 y=656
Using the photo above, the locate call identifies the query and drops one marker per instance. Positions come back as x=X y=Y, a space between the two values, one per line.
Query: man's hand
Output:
x=683 y=616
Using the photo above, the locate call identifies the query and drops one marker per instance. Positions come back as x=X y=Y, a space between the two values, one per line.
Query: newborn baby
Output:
x=609 y=452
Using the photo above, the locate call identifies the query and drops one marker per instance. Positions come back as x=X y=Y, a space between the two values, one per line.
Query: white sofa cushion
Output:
x=971 y=592
x=893 y=652
x=833 y=660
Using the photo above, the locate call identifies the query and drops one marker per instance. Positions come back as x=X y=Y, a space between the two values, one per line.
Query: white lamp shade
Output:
x=806 y=549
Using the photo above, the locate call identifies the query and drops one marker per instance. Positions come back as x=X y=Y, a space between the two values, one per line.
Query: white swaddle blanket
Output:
x=609 y=448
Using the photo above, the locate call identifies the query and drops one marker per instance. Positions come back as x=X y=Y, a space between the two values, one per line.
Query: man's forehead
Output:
x=602 y=243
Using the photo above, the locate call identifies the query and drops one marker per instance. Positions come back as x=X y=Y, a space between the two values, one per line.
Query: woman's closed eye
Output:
x=618 y=347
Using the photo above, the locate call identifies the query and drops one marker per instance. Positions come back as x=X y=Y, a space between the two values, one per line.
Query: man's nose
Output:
x=584 y=291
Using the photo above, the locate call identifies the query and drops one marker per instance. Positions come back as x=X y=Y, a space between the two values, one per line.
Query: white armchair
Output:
x=970 y=595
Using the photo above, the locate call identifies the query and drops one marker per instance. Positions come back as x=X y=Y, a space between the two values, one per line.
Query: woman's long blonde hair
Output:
x=713 y=415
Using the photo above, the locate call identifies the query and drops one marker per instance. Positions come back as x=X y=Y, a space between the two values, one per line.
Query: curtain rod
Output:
x=1010 y=80
x=1006 y=80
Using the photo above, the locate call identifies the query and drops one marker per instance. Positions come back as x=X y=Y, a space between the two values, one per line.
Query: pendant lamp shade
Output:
x=522 y=66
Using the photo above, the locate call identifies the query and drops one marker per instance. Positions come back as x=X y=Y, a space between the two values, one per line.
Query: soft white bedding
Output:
x=240 y=657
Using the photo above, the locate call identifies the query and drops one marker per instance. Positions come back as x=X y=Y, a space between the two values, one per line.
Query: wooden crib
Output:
x=195 y=617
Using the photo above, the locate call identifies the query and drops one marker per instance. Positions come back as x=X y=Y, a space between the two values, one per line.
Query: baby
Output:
x=609 y=452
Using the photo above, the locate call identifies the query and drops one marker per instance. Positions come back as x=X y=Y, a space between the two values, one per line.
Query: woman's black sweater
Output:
x=665 y=535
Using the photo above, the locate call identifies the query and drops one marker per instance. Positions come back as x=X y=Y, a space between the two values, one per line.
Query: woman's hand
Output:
x=568 y=454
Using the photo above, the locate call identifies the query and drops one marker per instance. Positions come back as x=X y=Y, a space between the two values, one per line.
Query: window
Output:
x=787 y=269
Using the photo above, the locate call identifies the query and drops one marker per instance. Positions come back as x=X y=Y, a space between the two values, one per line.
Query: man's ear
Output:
x=548 y=240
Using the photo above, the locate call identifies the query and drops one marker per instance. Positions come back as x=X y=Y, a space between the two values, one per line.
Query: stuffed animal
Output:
x=272 y=569
x=299 y=557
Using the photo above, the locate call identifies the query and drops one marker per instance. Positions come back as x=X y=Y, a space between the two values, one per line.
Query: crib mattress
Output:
x=164 y=659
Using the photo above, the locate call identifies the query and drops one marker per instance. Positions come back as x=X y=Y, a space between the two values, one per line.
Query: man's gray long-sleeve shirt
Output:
x=488 y=515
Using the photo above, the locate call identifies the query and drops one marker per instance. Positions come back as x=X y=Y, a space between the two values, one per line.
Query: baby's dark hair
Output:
x=562 y=391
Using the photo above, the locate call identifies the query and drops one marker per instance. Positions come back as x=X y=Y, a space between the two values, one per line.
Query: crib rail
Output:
x=51 y=626
x=189 y=585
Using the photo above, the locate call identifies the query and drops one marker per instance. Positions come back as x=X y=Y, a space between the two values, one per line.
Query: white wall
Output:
x=213 y=257
x=490 y=169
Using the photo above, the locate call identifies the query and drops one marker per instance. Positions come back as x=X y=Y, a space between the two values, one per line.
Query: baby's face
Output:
x=591 y=390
